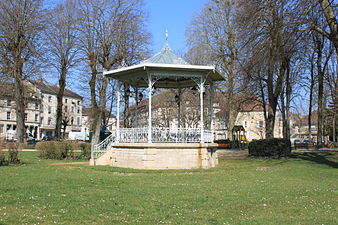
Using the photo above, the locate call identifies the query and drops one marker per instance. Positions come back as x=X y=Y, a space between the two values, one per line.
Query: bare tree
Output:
x=269 y=43
x=327 y=8
x=61 y=39
x=105 y=29
x=20 y=27
x=213 y=34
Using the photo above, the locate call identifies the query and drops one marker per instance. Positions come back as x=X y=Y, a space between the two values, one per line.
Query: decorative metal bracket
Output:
x=200 y=82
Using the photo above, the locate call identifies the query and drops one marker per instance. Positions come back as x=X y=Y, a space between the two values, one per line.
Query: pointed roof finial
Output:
x=166 y=47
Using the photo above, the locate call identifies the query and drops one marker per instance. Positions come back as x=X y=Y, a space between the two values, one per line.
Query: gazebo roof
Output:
x=169 y=70
x=166 y=56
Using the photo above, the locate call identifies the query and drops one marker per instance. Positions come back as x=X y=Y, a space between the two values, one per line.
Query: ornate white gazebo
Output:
x=168 y=71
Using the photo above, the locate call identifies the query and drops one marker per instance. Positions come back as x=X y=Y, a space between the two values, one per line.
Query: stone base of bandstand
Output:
x=154 y=156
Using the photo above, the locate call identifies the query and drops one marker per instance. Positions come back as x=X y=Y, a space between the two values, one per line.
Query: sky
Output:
x=173 y=15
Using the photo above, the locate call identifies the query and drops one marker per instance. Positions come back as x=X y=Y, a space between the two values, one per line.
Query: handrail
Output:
x=102 y=147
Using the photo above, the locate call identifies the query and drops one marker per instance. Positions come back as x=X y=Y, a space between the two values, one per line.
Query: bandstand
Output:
x=161 y=147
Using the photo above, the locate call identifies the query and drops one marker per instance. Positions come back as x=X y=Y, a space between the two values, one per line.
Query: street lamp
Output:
x=177 y=99
x=178 y=102
x=85 y=134
x=128 y=92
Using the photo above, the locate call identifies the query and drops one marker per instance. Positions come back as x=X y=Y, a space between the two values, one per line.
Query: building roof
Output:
x=54 y=89
x=7 y=88
x=170 y=70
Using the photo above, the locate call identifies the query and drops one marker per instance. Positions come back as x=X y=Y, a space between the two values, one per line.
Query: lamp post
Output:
x=178 y=102
x=85 y=134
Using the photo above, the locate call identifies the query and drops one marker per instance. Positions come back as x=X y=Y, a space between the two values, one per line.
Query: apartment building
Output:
x=8 y=110
x=72 y=110
x=40 y=112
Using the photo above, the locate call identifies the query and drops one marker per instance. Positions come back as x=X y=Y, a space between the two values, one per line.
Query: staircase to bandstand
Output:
x=99 y=149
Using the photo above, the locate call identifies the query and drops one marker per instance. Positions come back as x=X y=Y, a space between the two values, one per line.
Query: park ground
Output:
x=302 y=189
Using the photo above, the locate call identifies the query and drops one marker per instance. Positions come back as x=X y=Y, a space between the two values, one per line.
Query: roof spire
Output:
x=166 y=47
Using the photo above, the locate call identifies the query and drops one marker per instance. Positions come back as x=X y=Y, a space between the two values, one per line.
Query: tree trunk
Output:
x=270 y=120
x=20 y=104
x=283 y=109
x=102 y=110
x=312 y=84
x=94 y=107
x=330 y=17
x=320 y=73
x=59 y=109
x=288 y=99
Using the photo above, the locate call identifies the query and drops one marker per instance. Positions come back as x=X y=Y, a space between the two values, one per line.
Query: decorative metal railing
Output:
x=101 y=148
x=159 y=135
x=208 y=137
x=132 y=135
x=163 y=135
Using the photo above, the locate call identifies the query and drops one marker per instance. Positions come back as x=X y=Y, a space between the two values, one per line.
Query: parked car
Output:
x=297 y=142
x=47 y=138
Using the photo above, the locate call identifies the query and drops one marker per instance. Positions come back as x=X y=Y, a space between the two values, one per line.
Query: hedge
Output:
x=273 y=148
x=55 y=150
x=63 y=150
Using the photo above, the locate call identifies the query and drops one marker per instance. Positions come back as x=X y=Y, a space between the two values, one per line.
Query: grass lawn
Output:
x=299 y=190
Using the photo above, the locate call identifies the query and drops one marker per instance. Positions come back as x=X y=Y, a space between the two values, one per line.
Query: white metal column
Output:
x=150 y=88
x=212 y=114
x=118 y=94
x=201 y=87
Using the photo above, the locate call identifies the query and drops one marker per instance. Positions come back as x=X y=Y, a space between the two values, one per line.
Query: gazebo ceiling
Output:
x=169 y=71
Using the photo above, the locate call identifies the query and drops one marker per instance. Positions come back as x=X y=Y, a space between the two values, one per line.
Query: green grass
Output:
x=299 y=190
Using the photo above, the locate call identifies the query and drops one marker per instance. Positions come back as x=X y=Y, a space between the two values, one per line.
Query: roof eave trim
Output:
x=160 y=65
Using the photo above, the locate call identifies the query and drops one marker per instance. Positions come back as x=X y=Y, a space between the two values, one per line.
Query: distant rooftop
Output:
x=53 y=89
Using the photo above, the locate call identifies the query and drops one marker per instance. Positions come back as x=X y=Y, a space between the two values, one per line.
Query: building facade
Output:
x=165 y=113
x=40 y=112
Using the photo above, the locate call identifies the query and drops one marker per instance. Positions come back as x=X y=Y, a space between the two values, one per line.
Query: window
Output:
x=78 y=110
x=49 y=121
x=72 y=121
x=49 y=98
x=36 y=117
x=72 y=109
x=245 y=124
x=49 y=109
x=9 y=102
x=260 y=124
x=8 y=115
x=66 y=100
x=78 y=121
x=36 y=106
x=26 y=116
x=66 y=108
x=78 y=102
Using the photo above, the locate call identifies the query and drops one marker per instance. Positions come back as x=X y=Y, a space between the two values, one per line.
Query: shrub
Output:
x=55 y=150
x=13 y=152
x=274 y=148
x=3 y=161
x=85 y=150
